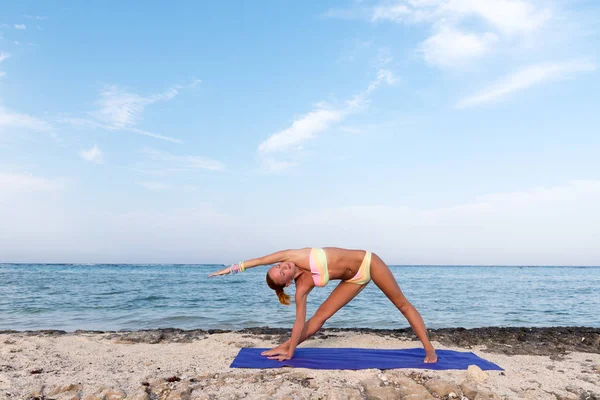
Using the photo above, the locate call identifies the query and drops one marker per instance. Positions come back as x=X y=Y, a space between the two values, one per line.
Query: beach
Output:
x=538 y=363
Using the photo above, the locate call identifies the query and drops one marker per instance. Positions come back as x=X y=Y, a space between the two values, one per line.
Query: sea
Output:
x=124 y=297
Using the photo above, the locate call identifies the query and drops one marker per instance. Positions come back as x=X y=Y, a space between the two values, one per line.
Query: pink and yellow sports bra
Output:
x=320 y=273
x=318 y=267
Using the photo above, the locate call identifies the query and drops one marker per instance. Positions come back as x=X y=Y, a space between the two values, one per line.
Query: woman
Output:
x=310 y=267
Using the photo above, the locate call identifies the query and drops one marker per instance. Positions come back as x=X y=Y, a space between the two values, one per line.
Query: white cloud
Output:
x=154 y=135
x=2 y=74
x=528 y=77
x=11 y=119
x=452 y=48
x=323 y=117
x=12 y=182
x=396 y=12
x=119 y=109
x=36 y=17
x=508 y=16
x=511 y=17
x=20 y=26
x=174 y=162
x=304 y=128
x=462 y=31
x=93 y=155
x=4 y=56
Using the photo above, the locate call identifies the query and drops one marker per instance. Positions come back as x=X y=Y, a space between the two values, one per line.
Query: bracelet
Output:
x=241 y=265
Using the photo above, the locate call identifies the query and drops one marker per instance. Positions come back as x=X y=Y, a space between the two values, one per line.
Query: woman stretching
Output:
x=310 y=267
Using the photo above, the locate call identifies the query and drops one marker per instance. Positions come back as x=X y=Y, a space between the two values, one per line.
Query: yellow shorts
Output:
x=363 y=276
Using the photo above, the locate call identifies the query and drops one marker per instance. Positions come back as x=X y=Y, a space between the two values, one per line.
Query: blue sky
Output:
x=428 y=131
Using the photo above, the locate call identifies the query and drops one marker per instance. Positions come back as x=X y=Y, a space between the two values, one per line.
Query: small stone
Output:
x=452 y=395
x=441 y=388
x=474 y=373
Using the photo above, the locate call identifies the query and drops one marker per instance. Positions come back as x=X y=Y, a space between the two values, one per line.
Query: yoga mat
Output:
x=355 y=358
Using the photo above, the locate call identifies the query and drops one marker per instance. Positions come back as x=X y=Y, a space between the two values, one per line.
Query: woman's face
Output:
x=283 y=273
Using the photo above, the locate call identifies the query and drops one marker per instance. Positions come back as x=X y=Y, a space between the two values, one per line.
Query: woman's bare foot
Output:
x=282 y=349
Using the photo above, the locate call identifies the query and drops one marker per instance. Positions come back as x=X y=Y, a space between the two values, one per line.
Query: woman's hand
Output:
x=224 y=271
x=430 y=356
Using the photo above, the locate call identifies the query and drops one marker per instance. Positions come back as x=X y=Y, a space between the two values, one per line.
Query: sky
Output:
x=428 y=131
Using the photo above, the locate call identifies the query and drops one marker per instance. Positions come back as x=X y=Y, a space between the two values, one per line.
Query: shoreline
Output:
x=502 y=340
x=176 y=364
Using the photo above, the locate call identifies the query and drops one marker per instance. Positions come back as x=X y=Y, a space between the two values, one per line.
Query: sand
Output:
x=139 y=365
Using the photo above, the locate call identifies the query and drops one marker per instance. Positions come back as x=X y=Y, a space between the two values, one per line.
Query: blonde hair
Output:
x=281 y=295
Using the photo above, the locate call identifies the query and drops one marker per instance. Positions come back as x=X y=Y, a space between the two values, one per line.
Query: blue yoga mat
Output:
x=354 y=358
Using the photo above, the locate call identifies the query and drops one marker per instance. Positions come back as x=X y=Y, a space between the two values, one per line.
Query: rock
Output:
x=483 y=395
x=588 y=395
x=151 y=337
x=37 y=392
x=441 y=388
x=469 y=389
x=62 y=389
x=91 y=397
x=204 y=396
x=114 y=394
x=475 y=374
x=161 y=391
x=573 y=389
x=409 y=389
x=569 y=396
x=346 y=393
x=374 y=390
x=65 y=396
x=371 y=382
x=139 y=395
x=262 y=397
x=382 y=393
x=181 y=393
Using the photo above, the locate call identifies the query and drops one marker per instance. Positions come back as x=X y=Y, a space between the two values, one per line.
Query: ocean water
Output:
x=131 y=297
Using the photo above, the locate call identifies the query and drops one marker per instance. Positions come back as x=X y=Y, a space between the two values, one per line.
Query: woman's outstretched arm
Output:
x=298 y=328
x=280 y=256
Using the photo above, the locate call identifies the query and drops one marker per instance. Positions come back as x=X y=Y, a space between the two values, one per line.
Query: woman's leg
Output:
x=383 y=278
x=339 y=297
